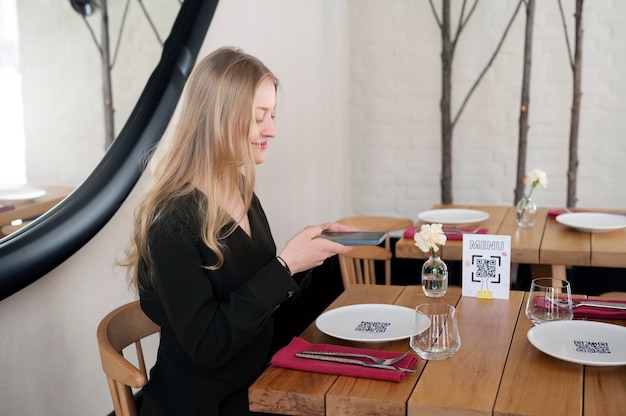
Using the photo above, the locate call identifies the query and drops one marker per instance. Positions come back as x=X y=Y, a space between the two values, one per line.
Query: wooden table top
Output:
x=37 y=206
x=496 y=371
x=547 y=242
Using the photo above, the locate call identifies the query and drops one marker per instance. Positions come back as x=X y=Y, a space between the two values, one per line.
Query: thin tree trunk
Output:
x=575 y=120
x=524 y=107
x=107 y=91
x=446 y=90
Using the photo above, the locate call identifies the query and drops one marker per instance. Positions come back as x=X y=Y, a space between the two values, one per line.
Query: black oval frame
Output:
x=35 y=250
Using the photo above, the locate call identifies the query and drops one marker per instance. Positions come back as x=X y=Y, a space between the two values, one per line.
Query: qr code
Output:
x=486 y=268
x=592 y=347
x=373 y=327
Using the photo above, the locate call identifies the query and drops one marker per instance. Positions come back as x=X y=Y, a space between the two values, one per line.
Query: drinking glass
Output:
x=440 y=340
x=549 y=300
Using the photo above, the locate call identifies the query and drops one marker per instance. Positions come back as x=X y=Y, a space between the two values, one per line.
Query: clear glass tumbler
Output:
x=441 y=339
x=549 y=300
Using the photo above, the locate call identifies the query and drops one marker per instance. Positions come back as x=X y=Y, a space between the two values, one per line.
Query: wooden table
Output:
x=496 y=371
x=546 y=243
x=25 y=210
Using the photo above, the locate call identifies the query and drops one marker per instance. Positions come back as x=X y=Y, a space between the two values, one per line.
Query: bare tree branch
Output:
x=572 y=171
x=525 y=102
x=459 y=25
x=432 y=7
x=493 y=57
x=154 y=29
x=569 y=48
x=463 y=23
x=119 y=35
x=93 y=35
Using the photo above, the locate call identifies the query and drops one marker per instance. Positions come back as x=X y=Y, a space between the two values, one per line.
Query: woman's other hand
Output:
x=305 y=250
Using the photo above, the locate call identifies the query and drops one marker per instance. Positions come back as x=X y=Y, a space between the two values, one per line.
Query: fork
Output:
x=597 y=303
x=381 y=361
x=459 y=231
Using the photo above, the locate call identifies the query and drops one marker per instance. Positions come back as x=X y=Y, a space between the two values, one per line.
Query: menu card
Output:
x=486 y=266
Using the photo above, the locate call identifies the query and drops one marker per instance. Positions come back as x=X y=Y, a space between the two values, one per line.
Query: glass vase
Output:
x=434 y=277
x=526 y=212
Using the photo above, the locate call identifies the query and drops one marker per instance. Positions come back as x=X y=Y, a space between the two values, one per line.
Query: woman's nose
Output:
x=268 y=128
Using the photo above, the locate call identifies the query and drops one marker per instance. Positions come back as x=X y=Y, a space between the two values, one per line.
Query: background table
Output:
x=27 y=209
x=546 y=243
x=496 y=371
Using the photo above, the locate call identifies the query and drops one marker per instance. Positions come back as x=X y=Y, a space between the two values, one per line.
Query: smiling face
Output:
x=262 y=128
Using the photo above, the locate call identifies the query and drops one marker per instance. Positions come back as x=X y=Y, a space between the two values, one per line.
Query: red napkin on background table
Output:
x=286 y=357
x=410 y=232
x=6 y=207
x=593 y=311
x=553 y=213
x=600 y=313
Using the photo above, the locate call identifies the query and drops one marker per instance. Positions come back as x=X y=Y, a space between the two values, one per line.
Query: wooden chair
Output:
x=122 y=327
x=379 y=223
x=358 y=265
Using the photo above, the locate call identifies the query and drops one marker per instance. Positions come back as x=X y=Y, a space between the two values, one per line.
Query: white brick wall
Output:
x=394 y=84
x=395 y=90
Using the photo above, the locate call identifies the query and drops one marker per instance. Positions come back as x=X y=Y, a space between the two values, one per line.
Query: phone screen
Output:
x=355 y=238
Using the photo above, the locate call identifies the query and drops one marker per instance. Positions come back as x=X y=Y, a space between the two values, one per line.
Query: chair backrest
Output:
x=358 y=267
x=379 y=223
x=122 y=327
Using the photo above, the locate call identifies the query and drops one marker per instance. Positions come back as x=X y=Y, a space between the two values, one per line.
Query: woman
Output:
x=203 y=258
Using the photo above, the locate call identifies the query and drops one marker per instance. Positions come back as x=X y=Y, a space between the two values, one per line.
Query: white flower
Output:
x=429 y=236
x=537 y=177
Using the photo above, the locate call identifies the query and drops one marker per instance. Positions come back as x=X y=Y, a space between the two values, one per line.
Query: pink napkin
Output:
x=553 y=213
x=601 y=313
x=286 y=357
x=591 y=311
x=450 y=235
x=6 y=207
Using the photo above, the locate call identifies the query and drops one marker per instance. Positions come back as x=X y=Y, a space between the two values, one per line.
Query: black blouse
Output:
x=216 y=326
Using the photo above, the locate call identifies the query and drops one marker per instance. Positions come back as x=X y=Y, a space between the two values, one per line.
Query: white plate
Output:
x=592 y=222
x=370 y=322
x=21 y=194
x=581 y=342
x=453 y=216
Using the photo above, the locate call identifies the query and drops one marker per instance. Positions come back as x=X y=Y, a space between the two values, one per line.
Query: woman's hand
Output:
x=305 y=250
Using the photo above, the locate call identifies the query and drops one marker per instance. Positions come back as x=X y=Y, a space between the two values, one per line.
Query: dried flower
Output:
x=427 y=239
x=536 y=177
x=429 y=236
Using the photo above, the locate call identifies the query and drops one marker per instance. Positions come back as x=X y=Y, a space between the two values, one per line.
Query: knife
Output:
x=350 y=361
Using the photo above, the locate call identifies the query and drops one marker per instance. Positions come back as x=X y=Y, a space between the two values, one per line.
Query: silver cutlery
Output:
x=383 y=361
x=597 y=303
x=351 y=361
x=459 y=231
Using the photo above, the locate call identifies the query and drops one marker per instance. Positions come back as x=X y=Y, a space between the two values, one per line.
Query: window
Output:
x=12 y=155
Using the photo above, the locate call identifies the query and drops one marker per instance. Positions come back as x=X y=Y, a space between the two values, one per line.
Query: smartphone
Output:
x=355 y=238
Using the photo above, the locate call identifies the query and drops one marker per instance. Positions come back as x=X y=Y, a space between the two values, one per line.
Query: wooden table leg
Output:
x=559 y=272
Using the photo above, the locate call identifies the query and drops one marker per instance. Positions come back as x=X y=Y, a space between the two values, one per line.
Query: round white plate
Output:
x=21 y=194
x=581 y=342
x=592 y=222
x=370 y=322
x=453 y=216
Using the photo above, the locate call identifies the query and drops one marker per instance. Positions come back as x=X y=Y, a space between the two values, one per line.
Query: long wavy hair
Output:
x=206 y=144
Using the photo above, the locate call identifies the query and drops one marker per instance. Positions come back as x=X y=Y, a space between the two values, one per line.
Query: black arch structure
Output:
x=35 y=250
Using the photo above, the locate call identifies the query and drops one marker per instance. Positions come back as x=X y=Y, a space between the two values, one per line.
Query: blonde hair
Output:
x=206 y=144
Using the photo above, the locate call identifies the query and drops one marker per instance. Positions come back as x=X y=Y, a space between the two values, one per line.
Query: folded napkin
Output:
x=553 y=213
x=6 y=207
x=451 y=233
x=597 y=312
x=286 y=357
x=589 y=311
